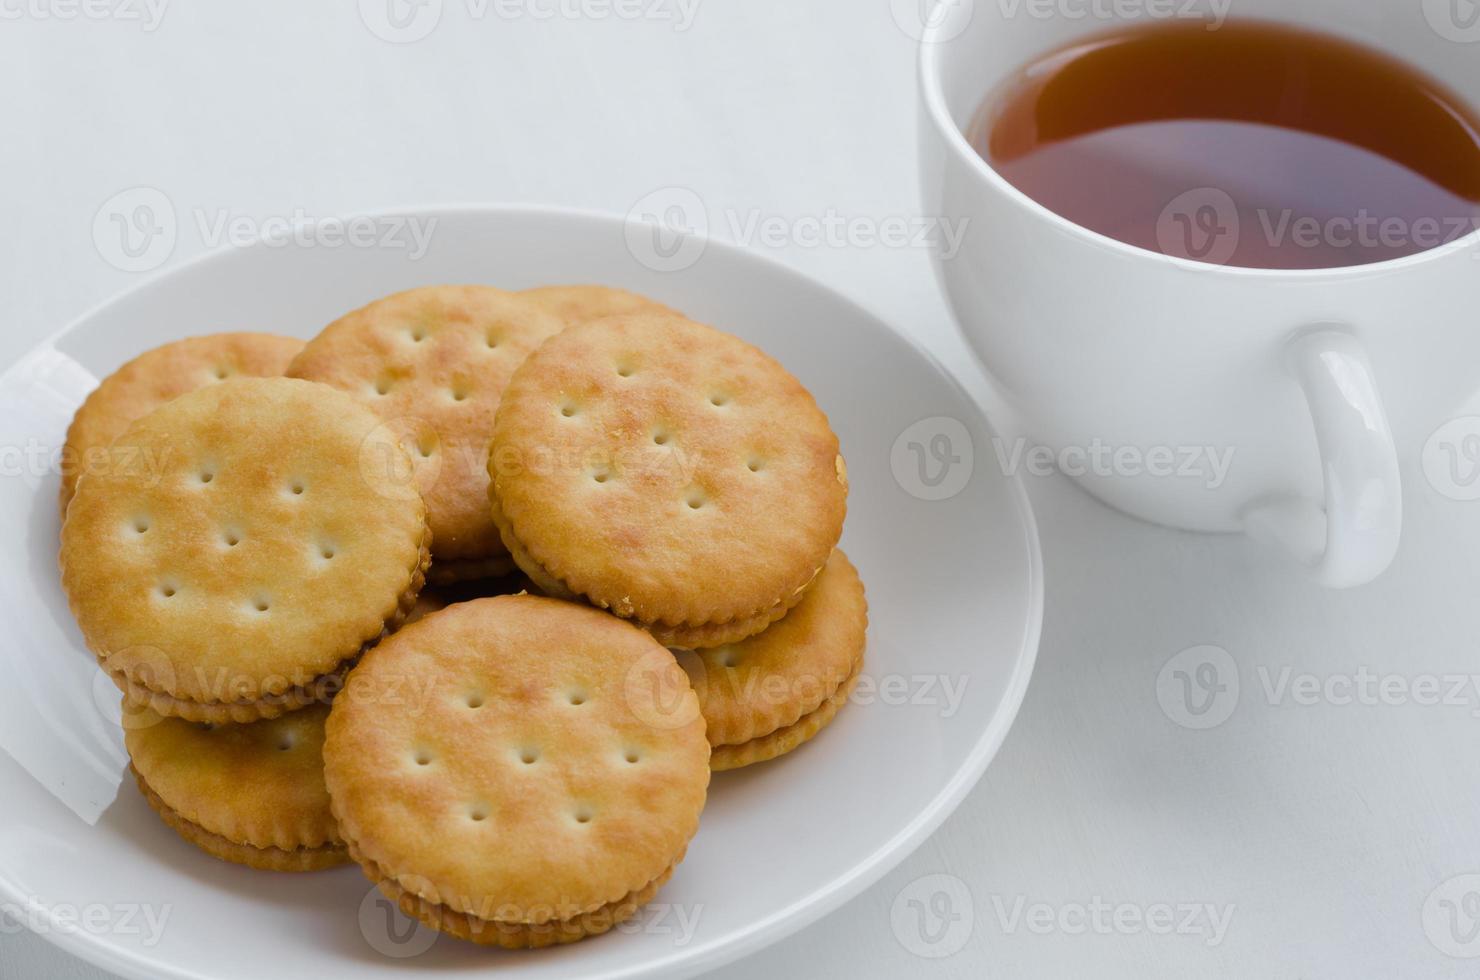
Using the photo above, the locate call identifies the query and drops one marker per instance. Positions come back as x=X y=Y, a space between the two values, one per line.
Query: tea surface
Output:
x=1253 y=145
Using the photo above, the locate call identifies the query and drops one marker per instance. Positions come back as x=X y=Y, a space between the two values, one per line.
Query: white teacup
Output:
x=1296 y=381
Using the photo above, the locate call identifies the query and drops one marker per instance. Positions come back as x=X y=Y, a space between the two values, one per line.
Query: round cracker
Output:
x=253 y=794
x=518 y=759
x=769 y=681
x=577 y=304
x=669 y=472
x=433 y=363
x=236 y=552
x=159 y=376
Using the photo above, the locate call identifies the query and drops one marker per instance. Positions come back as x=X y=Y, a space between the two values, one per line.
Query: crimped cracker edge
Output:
x=738 y=734
x=349 y=830
x=513 y=935
x=262 y=858
x=723 y=758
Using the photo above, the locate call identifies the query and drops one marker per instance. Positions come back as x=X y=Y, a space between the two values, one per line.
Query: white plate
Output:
x=954 y=586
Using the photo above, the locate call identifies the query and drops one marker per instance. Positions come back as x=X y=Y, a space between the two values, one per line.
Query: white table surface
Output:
x=1320 y=828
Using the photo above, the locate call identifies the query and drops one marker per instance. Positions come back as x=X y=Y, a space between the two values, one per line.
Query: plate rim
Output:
x=781 y=923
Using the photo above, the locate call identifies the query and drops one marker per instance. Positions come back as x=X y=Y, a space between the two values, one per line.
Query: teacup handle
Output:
x=1351 y=537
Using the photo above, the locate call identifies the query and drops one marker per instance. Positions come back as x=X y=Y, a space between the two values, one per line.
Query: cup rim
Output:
x=943 y=30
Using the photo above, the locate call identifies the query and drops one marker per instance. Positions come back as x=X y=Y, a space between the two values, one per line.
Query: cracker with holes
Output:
x=668 y=472
x=242 y=549
x=159 y=376
x=769 y=693
x=518 y=771
x=432 y=363
x=577 y=304
x=250 y=794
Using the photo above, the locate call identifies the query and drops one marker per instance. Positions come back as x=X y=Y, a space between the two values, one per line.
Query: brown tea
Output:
x=1252 y=145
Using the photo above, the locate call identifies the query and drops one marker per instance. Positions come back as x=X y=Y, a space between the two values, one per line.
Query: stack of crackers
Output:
x=474 y=589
